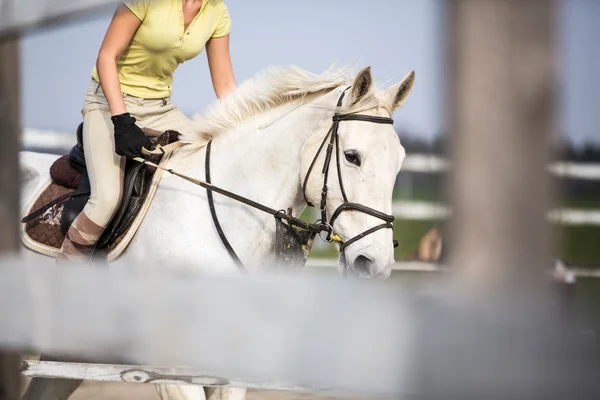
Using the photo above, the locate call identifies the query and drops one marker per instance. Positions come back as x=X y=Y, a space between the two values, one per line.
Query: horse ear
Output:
x=361 y=85
x=397 y=94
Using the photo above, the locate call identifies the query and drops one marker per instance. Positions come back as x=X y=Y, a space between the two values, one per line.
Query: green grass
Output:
x=417 y=194
x=579 y=244
x=580 y=202
x=408 y=233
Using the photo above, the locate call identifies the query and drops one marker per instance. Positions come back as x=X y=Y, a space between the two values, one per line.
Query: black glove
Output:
x=129 y=138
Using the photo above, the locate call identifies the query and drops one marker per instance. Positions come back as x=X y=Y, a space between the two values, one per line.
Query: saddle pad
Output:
x=43 y=234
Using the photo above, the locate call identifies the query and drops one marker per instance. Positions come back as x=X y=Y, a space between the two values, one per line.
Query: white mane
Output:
x=272 y=88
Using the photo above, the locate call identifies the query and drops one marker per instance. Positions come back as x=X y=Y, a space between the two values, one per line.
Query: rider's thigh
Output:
x=105 y=167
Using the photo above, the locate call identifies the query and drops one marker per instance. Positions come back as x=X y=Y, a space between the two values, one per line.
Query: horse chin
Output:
x=343 y=266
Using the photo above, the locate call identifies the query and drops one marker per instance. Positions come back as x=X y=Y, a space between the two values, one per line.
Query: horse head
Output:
x=350 y=174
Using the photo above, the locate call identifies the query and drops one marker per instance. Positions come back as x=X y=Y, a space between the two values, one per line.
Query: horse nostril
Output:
x=362 y=265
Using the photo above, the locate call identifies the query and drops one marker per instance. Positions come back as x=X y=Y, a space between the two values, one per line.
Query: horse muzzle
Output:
x=364 y=265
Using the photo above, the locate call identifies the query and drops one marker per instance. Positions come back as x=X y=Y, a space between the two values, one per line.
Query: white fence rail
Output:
x=293 y=332
x=261 y=331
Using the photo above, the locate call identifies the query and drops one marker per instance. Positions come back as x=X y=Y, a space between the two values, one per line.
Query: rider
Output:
x=130 y=89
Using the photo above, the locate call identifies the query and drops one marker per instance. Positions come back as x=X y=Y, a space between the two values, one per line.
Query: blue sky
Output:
x=393 y=36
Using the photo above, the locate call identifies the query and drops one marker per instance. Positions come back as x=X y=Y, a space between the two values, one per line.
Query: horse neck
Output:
x=262 y=158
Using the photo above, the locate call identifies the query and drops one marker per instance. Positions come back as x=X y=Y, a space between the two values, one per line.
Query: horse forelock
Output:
x=272 y=88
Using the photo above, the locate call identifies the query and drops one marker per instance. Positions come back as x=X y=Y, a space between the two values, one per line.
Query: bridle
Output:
x=333 y=137
x=319 y=226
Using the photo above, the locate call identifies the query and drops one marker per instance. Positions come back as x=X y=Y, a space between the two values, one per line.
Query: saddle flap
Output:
x=133 y=194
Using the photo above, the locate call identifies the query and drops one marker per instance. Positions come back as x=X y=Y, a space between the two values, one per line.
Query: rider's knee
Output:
x=106 y=205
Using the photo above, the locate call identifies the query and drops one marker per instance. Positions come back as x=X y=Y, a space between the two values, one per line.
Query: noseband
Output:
x=333 y=137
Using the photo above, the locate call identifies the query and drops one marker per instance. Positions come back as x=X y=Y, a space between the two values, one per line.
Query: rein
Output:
x=320 y=225
x=276 y=213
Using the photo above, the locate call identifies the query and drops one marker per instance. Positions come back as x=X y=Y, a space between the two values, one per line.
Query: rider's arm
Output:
x=221 y=69
x=118 y=35
x=219 y=58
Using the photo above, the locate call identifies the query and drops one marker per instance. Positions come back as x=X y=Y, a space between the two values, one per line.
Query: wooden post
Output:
x=501 y=100
x=10 y=132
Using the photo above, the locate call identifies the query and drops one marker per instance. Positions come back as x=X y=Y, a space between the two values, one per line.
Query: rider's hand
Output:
x=129 y=138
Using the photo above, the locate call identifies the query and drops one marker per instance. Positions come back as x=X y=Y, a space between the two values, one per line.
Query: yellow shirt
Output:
x=160 y=44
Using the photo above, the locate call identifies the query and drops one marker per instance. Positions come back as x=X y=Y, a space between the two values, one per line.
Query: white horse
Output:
x=264 y=138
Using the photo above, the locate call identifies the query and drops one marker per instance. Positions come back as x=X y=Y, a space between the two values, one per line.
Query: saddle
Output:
x=58 y=203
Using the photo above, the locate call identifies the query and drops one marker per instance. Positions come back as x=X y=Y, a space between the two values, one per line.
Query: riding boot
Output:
x=171 y=391
x=224 y=393
x=80 y=241
x=50 y=389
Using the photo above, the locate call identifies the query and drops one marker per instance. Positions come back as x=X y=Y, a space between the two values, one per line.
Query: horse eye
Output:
x=352 y=157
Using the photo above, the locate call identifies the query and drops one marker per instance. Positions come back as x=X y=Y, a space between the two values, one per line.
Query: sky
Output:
x=392 y=36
